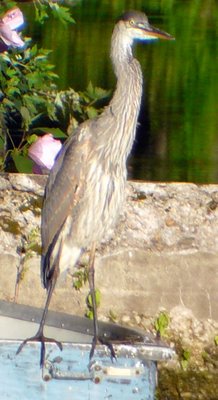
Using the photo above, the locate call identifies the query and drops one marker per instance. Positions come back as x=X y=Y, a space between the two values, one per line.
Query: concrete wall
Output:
x=163 y=253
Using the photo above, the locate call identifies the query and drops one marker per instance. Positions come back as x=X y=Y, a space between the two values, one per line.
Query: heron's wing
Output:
x=65 y=187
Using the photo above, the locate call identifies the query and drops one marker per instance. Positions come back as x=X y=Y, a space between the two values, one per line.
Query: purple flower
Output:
x=43 y=152
x=11 y=20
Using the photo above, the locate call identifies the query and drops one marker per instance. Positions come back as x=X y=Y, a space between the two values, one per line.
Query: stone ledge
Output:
x=163 y=253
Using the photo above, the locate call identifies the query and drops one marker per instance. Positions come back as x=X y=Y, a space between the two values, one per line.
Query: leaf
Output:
x=186 y=354
x=25 y=115
x=2 y=162
x=32 y=139
x=31 y=51
x=97 y=299
x=59 y=100
x=5 y=57
x=41 y=13
x=185 y=358
x=101 y=93
x=34 y=80
x=12 y=91
x=96 y=93
x=90 y=89
x=62 y=13
x=184 y=364
x=89 y=314
x=56 y=132
x=91 y=112
x=112 y=316
x=23 y=164
x=11 y=73
x=161 y=323
x=2 y=145
x=9 y=5
x=8 y=103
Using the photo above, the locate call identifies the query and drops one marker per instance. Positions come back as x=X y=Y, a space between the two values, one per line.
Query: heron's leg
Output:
x=91 y=276
x=96 y=337
x=39 y=336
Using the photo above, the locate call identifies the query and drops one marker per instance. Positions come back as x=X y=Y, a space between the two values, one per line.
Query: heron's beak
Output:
x=155 y=33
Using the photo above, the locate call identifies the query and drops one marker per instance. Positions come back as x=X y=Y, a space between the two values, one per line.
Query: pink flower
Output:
x=11 y=20
x=43 y=152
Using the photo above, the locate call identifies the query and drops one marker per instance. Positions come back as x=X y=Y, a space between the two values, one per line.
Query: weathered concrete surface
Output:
x=163 y=253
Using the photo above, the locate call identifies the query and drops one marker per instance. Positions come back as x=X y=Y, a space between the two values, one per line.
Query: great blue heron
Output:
x=85 y=189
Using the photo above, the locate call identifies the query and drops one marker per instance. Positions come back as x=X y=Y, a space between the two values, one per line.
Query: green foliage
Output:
x=29 y=95
x=112 y=316
x=56 y=132
x=21 y=162
x=185 y=358
x=43 y=9
x=6 y=5
x=216 y=340
x=61 y=12
x=161 y=323
x=90 y=97
x=80 y=105
x=31 y=245
x=26 y=80
x=80 y=278
x=95 y=93
x=27 y=89
x=89 y=313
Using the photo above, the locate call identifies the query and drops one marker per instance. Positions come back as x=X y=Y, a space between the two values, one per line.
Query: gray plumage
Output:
x=85 y=189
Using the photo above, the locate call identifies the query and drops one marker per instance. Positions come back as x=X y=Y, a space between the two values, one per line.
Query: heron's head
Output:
x=136 y=26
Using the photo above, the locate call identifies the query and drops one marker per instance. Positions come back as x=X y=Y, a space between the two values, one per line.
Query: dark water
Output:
x=178 y=134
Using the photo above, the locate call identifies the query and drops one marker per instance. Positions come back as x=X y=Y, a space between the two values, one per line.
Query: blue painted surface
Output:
x=130 y=377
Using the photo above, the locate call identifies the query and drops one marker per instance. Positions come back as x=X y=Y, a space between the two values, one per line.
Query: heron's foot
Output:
x=39 y=337
x=99 y=340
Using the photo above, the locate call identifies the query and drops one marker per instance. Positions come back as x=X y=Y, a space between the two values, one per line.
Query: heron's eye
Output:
x=132 y=22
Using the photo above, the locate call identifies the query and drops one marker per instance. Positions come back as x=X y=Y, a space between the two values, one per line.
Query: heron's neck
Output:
x=121 y=50
x=125 y=104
